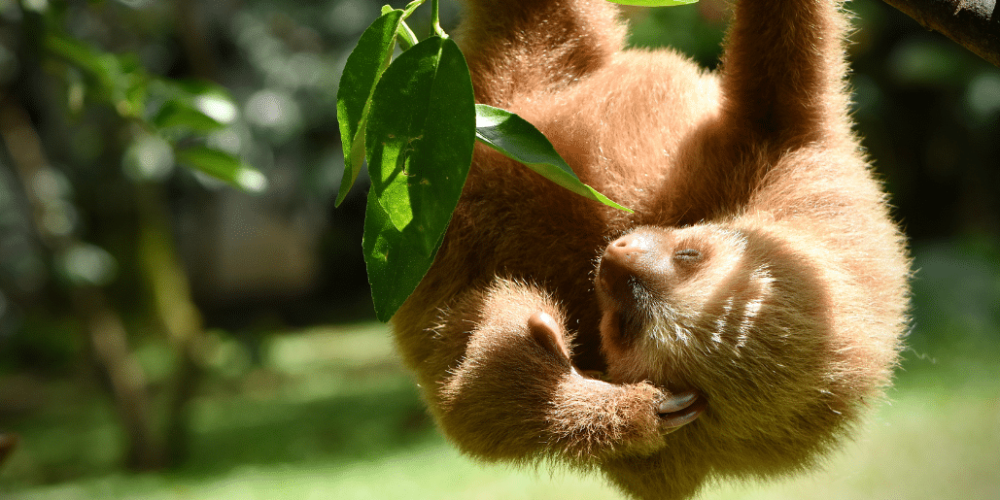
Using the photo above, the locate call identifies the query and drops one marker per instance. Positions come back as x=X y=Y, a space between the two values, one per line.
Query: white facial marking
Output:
x=761 y=277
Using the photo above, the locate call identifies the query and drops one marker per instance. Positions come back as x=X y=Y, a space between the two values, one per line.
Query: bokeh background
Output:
x=165 y=336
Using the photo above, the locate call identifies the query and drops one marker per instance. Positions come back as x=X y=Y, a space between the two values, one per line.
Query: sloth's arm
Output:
x=515 y=394
x=517 y=47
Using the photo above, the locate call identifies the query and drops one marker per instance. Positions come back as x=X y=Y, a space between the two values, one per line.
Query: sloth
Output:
x=736 y=325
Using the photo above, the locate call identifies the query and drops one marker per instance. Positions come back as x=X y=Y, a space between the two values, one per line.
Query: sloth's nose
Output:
x=626 y=266
x=626 y=250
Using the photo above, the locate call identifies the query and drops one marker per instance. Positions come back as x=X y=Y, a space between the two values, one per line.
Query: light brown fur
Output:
x=786 y=324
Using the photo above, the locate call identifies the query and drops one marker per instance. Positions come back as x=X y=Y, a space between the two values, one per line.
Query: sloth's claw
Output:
x=680 y=409
x=677 y=402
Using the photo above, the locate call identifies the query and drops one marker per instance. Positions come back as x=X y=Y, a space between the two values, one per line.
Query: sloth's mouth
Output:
x=682 y=404
x=622 y=327
x=622 y=291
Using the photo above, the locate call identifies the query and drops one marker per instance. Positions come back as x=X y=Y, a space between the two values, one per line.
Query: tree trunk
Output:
x=175 y=311
x=127 y=380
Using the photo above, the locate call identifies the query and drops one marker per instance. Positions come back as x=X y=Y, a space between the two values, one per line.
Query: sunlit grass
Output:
x=927 y=445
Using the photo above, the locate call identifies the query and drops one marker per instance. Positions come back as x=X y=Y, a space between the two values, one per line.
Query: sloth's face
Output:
x=735 y=315
x=669 y=297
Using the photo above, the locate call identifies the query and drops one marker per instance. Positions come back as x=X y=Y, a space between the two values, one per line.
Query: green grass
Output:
x=330 y=414
x=352 y=427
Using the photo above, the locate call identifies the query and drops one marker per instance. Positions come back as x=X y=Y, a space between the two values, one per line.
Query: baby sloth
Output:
x=736 y=325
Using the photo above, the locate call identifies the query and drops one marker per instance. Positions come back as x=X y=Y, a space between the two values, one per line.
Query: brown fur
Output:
x=787 y=319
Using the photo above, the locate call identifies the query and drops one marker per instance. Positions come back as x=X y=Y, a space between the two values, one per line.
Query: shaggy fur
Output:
x=762 y=292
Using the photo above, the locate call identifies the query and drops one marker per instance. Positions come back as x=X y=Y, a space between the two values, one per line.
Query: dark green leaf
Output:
x=361 y=73
x=519 y=140
x=395 y=264
x=421 y=131
x=224 y=166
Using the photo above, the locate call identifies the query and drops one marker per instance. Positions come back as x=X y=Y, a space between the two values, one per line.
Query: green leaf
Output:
x=196 y=105
x=395 y=265
x=75 y=52
x=181 y=114
x=120 y=78
x=654 y=3
x=225 y=167
x=362 y=71
x=421 y=132
x=407 y=39
x=519 y=140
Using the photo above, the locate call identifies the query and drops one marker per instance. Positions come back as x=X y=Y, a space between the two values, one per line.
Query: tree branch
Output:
x=973 y=24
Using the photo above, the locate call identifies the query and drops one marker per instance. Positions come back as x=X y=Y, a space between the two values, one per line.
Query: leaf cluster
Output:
x=171 y=117
x=414 y=121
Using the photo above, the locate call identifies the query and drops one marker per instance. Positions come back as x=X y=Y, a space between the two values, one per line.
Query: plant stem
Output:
x=405 y=36
x=436 y=20
x=410 y=7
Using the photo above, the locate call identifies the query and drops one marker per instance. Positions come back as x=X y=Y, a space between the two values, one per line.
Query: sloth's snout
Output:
x=634 y=254
x=619 y=261
x=630 y=247
x=626 y=267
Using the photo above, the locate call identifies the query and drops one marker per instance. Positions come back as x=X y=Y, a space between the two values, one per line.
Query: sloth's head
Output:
x=655 y=283
x=726 y=311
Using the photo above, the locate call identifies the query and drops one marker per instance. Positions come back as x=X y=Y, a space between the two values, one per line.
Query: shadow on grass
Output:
x=956 y=318
x=334 y=413
x=358 y=426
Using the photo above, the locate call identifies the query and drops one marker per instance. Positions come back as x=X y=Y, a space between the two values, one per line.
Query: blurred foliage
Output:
x=120 y=97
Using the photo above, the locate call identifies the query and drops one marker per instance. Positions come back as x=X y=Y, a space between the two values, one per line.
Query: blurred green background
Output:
x=165 y=336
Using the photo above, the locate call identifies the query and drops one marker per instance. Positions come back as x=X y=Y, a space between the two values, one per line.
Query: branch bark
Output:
x=175 y=310
x=109 y=341
x=973 y=24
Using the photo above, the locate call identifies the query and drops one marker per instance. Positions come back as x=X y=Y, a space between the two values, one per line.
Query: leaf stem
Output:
x=405 y=36
x=436 y=20
x=410 y=7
